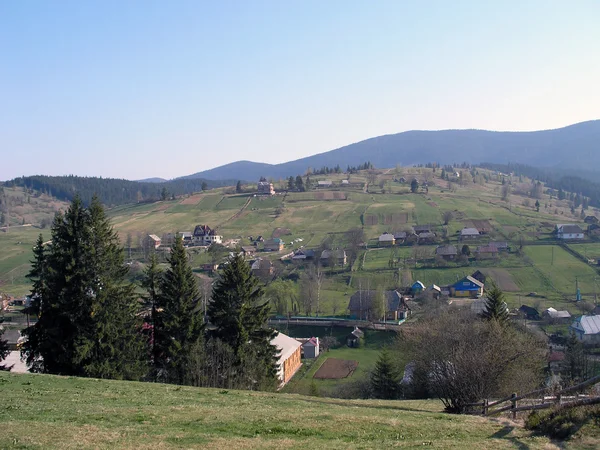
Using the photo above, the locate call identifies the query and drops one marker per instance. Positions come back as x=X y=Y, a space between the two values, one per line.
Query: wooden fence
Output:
x=539 y=399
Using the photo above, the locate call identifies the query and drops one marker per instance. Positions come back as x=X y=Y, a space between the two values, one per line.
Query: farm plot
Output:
x=562 y=269
x=502 y=278
x=335 y=369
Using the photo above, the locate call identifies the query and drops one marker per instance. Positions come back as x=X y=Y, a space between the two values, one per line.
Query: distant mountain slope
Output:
x=110 y=190
x=152 y=180
x=574 y=147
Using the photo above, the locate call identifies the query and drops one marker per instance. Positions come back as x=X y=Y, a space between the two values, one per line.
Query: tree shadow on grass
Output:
x=344 y=403
x=505 y=434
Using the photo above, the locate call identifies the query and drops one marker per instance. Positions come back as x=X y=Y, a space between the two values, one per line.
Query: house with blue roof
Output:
x=587 y=329
x=467 y=287
x=417 y=287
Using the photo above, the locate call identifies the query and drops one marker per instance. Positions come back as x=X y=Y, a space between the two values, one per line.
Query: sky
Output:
x=140 y=89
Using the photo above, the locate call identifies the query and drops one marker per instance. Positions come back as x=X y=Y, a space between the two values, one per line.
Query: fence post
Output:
x=559 y=399
x=485 y=406
x=514 y=405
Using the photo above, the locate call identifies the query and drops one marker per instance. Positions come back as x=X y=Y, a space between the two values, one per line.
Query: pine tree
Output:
x=239 y=317
x=151 y=283
x=178 y=323
x=52 y=343
x=36 y=276
x=4 y=350
x=87 y=322
x=385 y=378
x=414 y=186
x=495 y=306
x=238 y=187
x=117 y=348
x=575 y=359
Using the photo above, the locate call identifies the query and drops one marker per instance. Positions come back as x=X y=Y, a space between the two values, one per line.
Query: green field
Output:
x=320 y=216
x=50 y=412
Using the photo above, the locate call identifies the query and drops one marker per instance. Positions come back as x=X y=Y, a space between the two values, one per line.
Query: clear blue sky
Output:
x=136 y=89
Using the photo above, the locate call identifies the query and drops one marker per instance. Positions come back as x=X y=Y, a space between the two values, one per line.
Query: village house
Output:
x=555 y=316
x=400 y=236
x=427 y=237
x=153 y=241
x=590 y=219
x=569 y=231
x=502 y=246
x=354 y=337
x=204 y=235
x=479 y=276
x=448 y=252
x=419 y=229
x=467 y=287
x=486 y=252
x=289 y=359
x=529 y=312
x=387 y=240
x=435 y=291
x=325 y=183
x=303 y=254
x=417 y=288
x=262 y=268
x=362 y=304
x=273 y=245
x=265 y=188
x=248 y=251
x=310 y=347
x=469 y=233
x=331 y=257
x=186 y=236
x=587 y=329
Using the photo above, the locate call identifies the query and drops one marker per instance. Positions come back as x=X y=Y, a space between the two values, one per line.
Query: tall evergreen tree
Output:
x=4 y=350
x=117 y=348
x=178 y=324
x=576 y=360
x=495 y=306
x=36 y=276
x=239 y=317
x=385 y=378
x=87 y=322
x=151 y=283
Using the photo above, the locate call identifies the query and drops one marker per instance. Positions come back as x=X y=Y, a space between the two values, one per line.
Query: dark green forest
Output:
x=113 y=191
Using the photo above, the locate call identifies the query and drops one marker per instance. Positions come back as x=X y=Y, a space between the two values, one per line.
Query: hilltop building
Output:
x=204 y=235
x=265 y=188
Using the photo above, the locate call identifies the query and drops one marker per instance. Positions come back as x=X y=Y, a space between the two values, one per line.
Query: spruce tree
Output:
x=87 y=322
x=65 y=310
x=495 y=306
x=178 y=324
x=4 y=350
x=117 y=348
x=151 y=283
x=239 y=316
x=36 y=276
x=576 y=360
x=385 y=378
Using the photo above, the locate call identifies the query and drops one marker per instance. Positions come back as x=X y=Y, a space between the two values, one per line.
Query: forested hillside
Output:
x=113 y=191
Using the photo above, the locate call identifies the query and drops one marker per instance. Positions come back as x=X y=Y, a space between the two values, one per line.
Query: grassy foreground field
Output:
x=40 y=411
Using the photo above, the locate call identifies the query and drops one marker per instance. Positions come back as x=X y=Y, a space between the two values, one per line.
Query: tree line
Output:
x=557 y=179
x=91 y=322
x=113 y=191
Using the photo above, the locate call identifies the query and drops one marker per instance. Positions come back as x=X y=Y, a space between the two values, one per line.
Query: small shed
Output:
x=353 y=339
x=417 y=287
x=529 y=312
x=311 y=348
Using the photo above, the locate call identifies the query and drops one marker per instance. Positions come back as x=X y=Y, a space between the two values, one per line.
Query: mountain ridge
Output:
x=442 y=146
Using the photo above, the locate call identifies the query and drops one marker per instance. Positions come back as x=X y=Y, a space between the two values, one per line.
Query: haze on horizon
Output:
x=142 y=89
